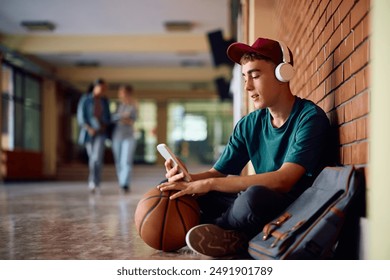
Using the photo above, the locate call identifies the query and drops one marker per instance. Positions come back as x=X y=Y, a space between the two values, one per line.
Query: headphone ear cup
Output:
x=284 y=72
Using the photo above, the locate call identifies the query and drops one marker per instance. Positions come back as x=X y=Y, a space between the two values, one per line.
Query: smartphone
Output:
x=168 y=154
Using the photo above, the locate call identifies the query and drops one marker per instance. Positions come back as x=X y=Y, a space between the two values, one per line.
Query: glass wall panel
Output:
x=21 y=110
x=145 y=128
x=18 y=129
x=32 y=128
x=7 y=108
x=18 y=85
x=32 y=91
x=198 y=130
x=31 y=115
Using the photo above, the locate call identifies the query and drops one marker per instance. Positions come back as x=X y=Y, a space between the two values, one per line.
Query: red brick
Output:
x=336 y=12
x=309 y=70
x=340 y=115
x=344 y=50
x=360 y=57
x=329 y=87
x=361 y=105
x=335 y=4
x=336 y=39
x=348 y=112
x=336 y=18
x=326 y=68
x=367 y=74
x=346 y=26
x=327 y=32
x=317 y=46
x=348 y=133
x=345 y=7
x=338 y=76
x=368 y=126
x=358 y=11
x=347 y=68
x=361 y=80
x=329 y=102
x=322 y=6
x=320 y=92
x=346 y=155
x=314 y=81
x=320 y=58
x=360 y=153
x=347 y=90
x=361 y=31
x=317 y=24
x=358 y=34
x=361 y=128
x=328 y=12
x=367 y=24
x=337 y=97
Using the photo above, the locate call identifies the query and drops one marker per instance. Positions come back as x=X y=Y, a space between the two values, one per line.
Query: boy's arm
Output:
x=281 y=180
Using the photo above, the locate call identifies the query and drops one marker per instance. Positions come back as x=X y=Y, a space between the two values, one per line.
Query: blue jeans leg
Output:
x=124 y=157
x=249 y=211
x=116 y=151
x=95 y=150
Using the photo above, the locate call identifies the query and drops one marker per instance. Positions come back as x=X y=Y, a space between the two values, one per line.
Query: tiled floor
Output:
x=62 y=220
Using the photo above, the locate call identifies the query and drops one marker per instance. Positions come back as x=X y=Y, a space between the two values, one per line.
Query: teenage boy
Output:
x=285 y=139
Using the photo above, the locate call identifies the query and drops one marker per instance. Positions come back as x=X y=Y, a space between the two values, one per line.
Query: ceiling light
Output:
x=191 y=63
x=38 y=25
x=178 y=25
x=87 y=63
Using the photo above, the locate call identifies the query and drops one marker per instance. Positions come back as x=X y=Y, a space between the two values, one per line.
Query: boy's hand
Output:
x=173 y=174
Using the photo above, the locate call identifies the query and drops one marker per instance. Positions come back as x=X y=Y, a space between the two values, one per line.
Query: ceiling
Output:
x=120 y=40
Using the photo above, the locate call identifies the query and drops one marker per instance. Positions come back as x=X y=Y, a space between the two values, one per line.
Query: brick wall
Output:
x=330 y=40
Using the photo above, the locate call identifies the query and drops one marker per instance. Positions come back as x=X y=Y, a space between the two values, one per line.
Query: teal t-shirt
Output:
x=302 y=139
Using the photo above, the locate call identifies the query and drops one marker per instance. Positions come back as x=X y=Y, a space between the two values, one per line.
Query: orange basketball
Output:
x=163 y=223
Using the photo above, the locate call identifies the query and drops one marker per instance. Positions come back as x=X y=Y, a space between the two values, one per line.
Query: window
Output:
x=195 y=128
x=21 y=114
x=198 y=128
x=7 y=108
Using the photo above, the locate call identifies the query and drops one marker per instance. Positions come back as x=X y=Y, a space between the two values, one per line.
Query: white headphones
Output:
x=284 y=71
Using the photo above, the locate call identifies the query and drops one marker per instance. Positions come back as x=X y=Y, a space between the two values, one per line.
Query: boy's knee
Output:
x=248 y=203
x=255 y=194
x=259 y=204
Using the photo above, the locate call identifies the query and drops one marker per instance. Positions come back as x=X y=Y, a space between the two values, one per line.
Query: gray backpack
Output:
x=312 y=226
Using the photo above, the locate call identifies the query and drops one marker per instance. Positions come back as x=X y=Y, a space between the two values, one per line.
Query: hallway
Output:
x=63 y=221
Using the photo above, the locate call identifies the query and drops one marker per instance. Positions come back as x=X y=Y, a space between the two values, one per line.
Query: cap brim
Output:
x=236 y=50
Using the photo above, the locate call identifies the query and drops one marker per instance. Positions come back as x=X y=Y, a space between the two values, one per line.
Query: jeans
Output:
x=95 y=151
x=123 y=150
x=247 y=211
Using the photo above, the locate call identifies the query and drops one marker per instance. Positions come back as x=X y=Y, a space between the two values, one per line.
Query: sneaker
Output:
x=213 y=241
x=125 y=189
x=92 y=187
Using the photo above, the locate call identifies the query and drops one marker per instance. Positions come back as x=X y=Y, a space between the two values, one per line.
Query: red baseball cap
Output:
x=263 y=46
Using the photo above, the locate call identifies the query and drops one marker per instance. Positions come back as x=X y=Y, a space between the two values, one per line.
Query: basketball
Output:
x=163 y=223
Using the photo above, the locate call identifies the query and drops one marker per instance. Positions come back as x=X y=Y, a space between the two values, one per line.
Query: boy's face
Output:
x=261 y=83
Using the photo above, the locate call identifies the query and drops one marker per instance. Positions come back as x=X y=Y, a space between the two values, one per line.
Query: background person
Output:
x=123 y=141
x=93 y=116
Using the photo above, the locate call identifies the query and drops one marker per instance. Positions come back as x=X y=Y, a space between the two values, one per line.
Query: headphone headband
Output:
x=285 y=52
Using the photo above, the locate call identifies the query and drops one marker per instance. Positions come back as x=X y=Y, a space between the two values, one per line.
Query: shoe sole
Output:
x=213 y=241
